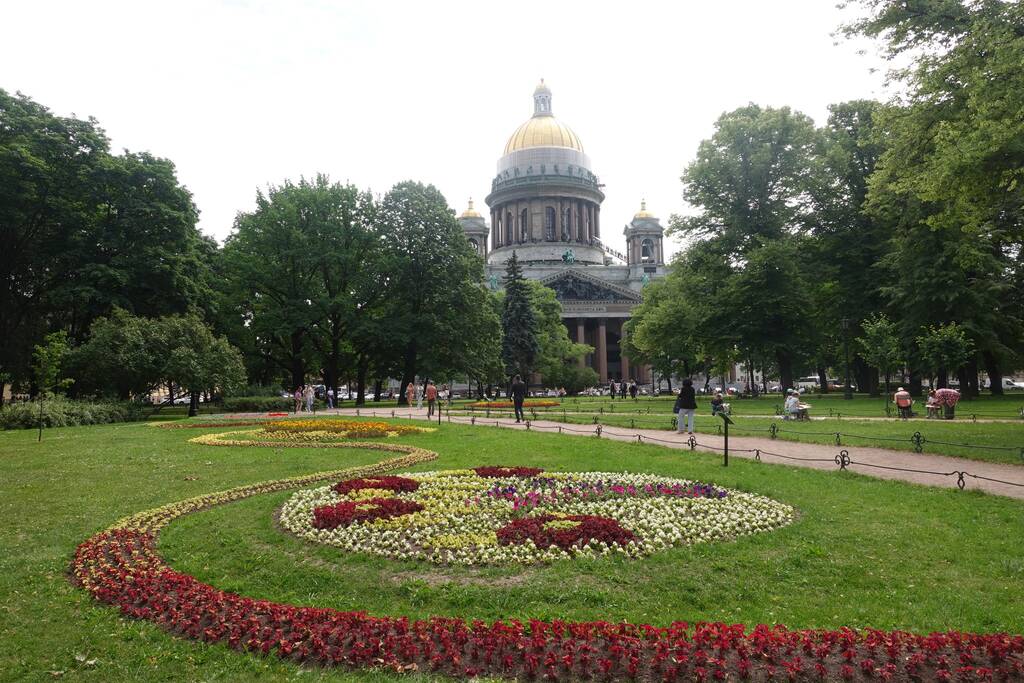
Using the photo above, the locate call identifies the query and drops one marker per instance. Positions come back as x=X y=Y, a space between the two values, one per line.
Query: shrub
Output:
x=59 y=411
x=263 y=404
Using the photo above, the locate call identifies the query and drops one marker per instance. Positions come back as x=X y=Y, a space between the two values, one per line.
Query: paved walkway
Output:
x=930 y=470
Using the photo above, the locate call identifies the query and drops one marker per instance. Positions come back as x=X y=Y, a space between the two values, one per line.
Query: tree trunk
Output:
x=377 y=386
x=193 y=403
x=822 y=378
x=408 y=371
x=170 y=393
x=333 y=360
x=361 y=370
x=914 y=386
x=298 y=368
x=972 y=377
x=785 y=369
x=994 y=372
x=3 y=389
x=942 y=381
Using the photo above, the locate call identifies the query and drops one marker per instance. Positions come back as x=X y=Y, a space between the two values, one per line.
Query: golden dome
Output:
x=543 y=131
x=470 y=212
x=643 y=212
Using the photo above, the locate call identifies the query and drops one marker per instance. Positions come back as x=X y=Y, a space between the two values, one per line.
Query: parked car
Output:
x=809 y=383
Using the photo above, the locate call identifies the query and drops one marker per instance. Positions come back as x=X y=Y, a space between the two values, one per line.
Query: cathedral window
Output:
x=524 y=223
x=549 y=224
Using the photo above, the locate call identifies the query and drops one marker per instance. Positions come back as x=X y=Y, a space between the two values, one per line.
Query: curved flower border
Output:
x=219 y=439
x=120 y=566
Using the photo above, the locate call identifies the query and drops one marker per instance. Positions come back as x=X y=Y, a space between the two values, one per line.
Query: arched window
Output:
x=473 y=243
x=580 y=233
x=524 y=224
x=647 y=251
x=508 y=231
x=549 y=224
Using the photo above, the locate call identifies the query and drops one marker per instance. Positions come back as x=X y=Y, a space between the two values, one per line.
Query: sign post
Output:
x=725 y=453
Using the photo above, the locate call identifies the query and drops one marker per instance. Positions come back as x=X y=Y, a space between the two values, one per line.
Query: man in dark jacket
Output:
x=686 y=405
x=518 y=392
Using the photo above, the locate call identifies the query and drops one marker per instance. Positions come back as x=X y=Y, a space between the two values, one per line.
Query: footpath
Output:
x=917 y=468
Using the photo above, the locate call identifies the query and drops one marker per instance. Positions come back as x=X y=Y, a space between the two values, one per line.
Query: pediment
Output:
x=573 y=286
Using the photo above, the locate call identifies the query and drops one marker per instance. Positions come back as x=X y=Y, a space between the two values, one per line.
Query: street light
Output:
x=847 y=389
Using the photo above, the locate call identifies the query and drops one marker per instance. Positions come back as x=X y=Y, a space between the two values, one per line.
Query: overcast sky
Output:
x=244 y=94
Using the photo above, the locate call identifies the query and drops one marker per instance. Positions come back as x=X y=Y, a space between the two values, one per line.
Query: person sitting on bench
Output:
x=795 y=409
x=903 y=402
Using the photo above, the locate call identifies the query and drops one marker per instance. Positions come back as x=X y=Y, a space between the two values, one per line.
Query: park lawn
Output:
x=941 y=437
x=1007 y=407
x=862 y=552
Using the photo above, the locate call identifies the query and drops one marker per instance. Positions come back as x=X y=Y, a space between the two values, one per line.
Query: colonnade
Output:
x=545 y=220
x=606 y=335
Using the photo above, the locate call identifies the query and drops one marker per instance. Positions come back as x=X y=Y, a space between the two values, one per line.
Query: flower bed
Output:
x=508 y=404
x=209 y=424
x=120 y=567
x=307 y=433
x=500 y=515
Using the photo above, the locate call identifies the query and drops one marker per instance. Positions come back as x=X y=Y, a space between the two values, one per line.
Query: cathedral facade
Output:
x=545 y=205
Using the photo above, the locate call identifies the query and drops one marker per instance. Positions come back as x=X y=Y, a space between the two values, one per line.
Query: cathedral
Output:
x=545 y=205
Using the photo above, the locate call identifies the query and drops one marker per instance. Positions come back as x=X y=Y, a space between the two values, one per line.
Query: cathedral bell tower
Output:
x=475 y=228
x=645 y=253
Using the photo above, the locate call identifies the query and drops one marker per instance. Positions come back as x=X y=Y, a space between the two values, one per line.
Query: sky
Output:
x=242 y=94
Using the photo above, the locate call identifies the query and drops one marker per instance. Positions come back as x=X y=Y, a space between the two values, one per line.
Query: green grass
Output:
x=894 y=434
x=863 y=552
x=986 y=406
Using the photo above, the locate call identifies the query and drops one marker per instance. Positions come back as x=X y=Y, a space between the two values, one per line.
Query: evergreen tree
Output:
x=519 y=344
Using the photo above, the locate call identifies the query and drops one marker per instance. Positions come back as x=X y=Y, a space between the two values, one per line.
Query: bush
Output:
x=59 y=411
x=263 y=404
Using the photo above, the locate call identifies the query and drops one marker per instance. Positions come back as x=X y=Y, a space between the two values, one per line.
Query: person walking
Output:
x=518 y=393
x=298 y=399
x=623 y=389
x=612 y=388
x=410 y=393
x=310 y=394
x=330 y=399
x=632 y=390
x=431 y=393
x=685 y=407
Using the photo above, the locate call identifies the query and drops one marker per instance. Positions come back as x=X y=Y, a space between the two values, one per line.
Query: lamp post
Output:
x=847 y=389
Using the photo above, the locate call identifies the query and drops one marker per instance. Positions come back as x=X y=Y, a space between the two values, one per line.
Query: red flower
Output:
x=548 y=530
x=351 y=511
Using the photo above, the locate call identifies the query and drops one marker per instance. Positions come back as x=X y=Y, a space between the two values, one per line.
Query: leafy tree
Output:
x=751 y=179
x=48 y=357
x=271 y=259
x=881 y=346
x=198 y=361
x=951 y=171
x=944 y=348
x=520 y=345
x=432 y=274
x=123 y=356
x=45 y=163
x=556 y=352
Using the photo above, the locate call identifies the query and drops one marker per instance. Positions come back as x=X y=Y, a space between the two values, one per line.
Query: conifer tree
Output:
x=519 y=345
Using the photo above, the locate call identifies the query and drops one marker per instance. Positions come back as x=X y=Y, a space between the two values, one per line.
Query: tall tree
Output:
x=46 y=162
x=519 y=344
x=953 y=169
x=433 y=274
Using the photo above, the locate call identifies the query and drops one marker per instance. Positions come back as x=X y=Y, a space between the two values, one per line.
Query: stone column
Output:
x=581 y=338
x=602 y=349
x=622 y=356
x=597 y=220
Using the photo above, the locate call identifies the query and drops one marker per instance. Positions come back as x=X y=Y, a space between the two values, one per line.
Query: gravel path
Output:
x=931 y=470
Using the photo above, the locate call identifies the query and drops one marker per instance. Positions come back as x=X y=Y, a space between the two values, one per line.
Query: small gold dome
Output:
x=643 y=212
x=543 y=131
x=470 y=212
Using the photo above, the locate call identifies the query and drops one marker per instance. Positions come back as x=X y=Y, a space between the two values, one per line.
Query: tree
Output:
x=271 y=259
x=434 y=284
x=944 y=348
x=198 y=361
x=557 y=355
x=519 y=343
x=123 y=356
x=952 y=170
x=751 y=179
x=45 y=163
x=881 y=347
x=48 y=358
